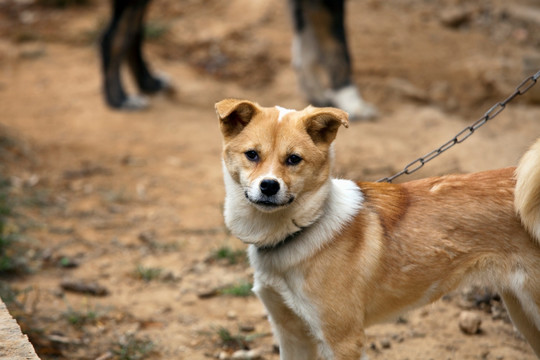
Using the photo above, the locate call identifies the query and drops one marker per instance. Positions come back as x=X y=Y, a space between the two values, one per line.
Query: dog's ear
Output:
x=322 y=124
x=234 y=115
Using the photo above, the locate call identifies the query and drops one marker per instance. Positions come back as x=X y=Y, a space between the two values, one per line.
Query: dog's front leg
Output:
x=292 y=333
x=344 y=336
x=350 y=347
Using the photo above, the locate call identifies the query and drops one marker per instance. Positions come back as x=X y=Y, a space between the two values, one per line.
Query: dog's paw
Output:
x=348 y=99
x=134 y=103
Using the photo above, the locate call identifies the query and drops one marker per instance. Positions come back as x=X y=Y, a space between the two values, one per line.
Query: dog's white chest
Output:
x=291 y=289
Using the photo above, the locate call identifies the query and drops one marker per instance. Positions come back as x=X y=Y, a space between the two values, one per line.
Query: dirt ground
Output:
x=130 y=203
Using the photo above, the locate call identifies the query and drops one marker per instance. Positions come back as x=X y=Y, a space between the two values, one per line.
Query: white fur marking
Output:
x=293 y=294
x=517 y=284
x=517 y=280
x=283 y=112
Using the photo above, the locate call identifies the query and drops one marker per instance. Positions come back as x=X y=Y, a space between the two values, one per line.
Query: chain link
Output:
x=464 y=134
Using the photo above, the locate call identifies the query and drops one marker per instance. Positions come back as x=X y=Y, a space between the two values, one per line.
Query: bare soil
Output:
x=129 y=204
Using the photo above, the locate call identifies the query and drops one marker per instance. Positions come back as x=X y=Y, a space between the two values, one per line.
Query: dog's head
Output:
x=276 y=155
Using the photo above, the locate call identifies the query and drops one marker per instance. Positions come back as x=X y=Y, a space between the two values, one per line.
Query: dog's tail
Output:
x=527 y=192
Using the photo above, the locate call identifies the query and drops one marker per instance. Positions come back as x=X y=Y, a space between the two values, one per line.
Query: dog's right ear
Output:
x=234 y=115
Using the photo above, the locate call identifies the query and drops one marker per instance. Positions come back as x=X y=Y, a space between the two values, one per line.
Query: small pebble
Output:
x=247 y=328
x=469 y=322
x=385 y=344
x=253 y=354
x=231 y=315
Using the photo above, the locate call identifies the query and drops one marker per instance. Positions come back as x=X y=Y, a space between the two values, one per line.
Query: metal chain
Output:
x=467 y=131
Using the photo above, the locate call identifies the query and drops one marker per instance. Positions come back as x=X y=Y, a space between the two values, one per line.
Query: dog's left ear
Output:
x=234 y=115
x=322 y=124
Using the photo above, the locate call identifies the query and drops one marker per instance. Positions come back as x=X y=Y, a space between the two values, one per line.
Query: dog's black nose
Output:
x=269 y=187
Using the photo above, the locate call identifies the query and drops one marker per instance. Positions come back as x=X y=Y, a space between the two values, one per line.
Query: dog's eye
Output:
x=252 y=155
x=293 y=159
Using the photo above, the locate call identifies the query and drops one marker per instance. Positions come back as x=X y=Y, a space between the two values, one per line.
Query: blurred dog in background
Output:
x=320 y=56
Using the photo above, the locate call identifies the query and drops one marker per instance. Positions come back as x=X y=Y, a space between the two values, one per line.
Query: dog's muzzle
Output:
x=267 y=195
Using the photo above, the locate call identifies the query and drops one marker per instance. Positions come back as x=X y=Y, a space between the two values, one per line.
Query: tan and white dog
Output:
x=332 y=257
